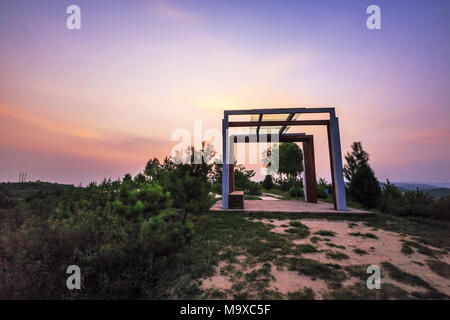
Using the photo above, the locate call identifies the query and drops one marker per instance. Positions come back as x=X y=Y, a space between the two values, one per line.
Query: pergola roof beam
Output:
x=289 y=118
x=278 y=123
x=279 y=111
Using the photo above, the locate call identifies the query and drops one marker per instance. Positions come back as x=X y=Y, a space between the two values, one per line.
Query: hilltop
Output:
x=435 y=190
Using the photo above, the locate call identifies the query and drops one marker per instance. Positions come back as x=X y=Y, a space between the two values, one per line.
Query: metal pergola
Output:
x=281 y=119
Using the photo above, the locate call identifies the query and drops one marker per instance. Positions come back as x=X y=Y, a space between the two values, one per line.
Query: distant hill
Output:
x=439 y=192
x=414 y=186
x=16 y=190
x=436 y=191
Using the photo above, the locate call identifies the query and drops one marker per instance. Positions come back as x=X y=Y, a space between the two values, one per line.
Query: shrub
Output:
x=268 y=182
x=5 y=203
x=390 y=196
x=287 y=184
x=216 y=187
x=321 y=192
x=323 y=188
x=442 y=208
x=253 y=188
x=125 y=241
x=242 y=181
x=414 y=203
x=147 y=201
x=189 y=187
x=296 y=192
x=365 y=187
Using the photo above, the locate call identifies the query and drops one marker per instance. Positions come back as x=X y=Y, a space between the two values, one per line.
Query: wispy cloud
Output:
x=54 y=125
x=41 y=132
x=171 y=11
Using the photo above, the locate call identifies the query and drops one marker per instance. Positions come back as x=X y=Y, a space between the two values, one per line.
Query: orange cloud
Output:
x=36 y=132
x=52 y=125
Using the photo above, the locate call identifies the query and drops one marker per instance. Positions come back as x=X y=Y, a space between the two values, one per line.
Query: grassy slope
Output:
x=225 y=236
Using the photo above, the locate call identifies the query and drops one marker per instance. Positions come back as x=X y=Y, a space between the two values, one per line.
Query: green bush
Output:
x=287 y=184
x=189 y=188
x=253 y=188
x=390 y=196
x=187 y=183
x=126 y=236
x=442 y=208
x=5 y=203
x=125 y=241
x=216 y=187
x=142 y=203
x=268 y=182
x=416 y=204
x=413 y=203
x=296 y=192
x=321 y=192
x=365 y=187
x=323 y=185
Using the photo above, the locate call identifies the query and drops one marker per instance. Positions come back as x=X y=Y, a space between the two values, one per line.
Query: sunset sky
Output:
x=80 y=105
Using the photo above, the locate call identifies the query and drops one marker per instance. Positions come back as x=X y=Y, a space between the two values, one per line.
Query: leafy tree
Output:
x=127 y=179
x=357 y=158
x=290 y=164
x=364 y=187
x=188 y=183
x=242 y=180
x=153 y=169
x=242 y=176
x=139 y=179
x=291 y=160
x=215 y=176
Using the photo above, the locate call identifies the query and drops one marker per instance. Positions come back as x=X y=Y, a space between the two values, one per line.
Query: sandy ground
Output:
x=386 y=248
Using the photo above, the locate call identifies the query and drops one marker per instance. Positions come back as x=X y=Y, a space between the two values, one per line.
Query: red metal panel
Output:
x=231 y=178
x=310 y=171
x=331 y=166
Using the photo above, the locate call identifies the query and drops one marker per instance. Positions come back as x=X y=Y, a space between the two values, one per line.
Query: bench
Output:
x=236 y=200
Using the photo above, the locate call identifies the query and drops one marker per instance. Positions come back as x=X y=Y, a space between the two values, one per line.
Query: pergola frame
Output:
x=334 y=145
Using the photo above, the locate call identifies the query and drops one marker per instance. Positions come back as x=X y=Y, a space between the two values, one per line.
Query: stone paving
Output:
x=284 y=206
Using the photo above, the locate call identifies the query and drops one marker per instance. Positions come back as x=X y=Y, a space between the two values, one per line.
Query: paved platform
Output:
x=284 y=206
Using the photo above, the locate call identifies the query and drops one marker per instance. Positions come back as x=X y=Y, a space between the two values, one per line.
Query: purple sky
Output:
x=80 y=105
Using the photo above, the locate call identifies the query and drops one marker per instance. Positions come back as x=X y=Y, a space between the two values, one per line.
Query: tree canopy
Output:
x=290 y=161
x=355 y=159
